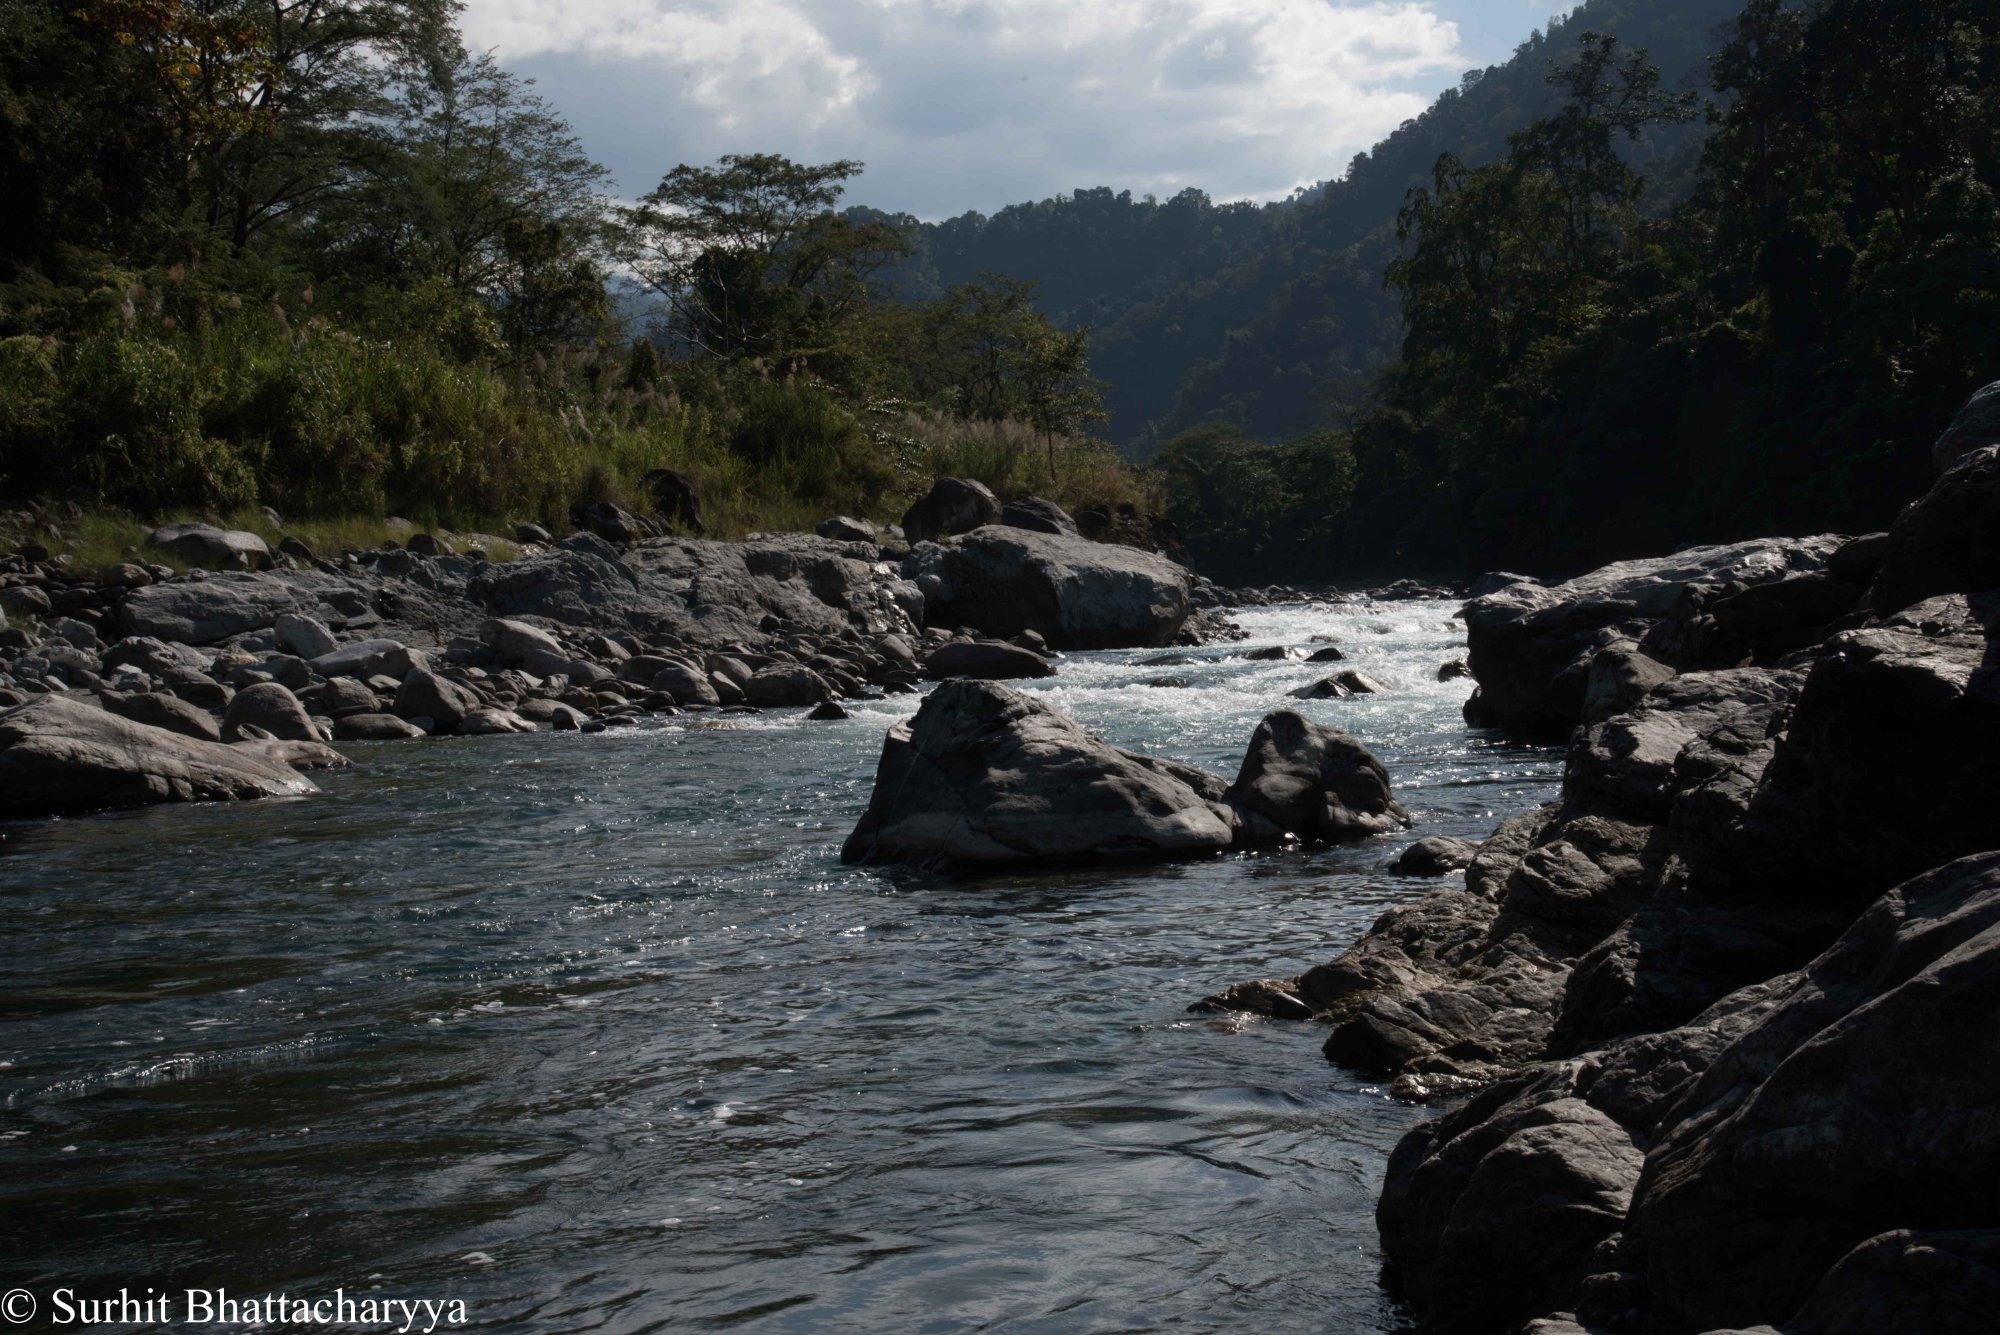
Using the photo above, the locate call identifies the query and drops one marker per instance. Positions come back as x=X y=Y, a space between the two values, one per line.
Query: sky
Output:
x=958 y=105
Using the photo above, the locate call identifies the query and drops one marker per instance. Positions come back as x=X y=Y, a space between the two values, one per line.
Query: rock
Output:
x=1619 y=678
x=1331 y=653
x=605 y=520
x=986 y=660
x=295 y=548
x=1326 y=688
x=1857 y=560
x=1316 y=783
x=688 y=685
x=1435 y=855
x=1037 y=515
x=953 y=505
x=842 y=529
x=303 y=636
x=203 y=611
x=1948 y=541
x=486 y=721
x=370 y=658
x=518 y=643
x=163 y=711
x=25 y=600
x=828 y=713
x=272 y=709
x=126 y=575
x=424 y=694
x=674 y=498
x=785 y=685
x=1075 y=593
x=1275 y=653
x=1495 y=580
x=1531 y=647
x=987 y=777
x=557 y=715
x=57 y=755
x=1455 y=670
x=1976 y=426
x=207 y=545
x=373 y=728
x=1274 y=998
x=533 y=534
x=342 y=696
x=1858 y=1104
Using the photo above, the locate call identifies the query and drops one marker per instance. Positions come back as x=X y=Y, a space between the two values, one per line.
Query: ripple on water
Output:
x=608 y=1014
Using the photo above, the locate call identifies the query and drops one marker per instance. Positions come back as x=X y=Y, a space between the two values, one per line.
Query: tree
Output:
x=752 y=257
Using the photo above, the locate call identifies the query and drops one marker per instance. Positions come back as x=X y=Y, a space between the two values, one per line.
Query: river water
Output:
x=596 y=1033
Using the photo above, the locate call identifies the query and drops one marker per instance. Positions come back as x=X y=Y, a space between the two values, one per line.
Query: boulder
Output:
x=373 y=728
x=157 y=710
x=786 y=685
x=212 y=608
x=1435 y=855
x=953 y=505
x=1947 y=541
x=674 y=498
x=986 y=660
x=370 y=658
x=1976 y=426
x=1037 y=515
x=986 y=777
x=842 y=529
x=1315 y=783
x=207 y=545
x=688 y=685
x=424 y=694
x=1074 y=593
x=271 y=708
x=1531 y=646
x=57 y=755
x=518 y=643
x=487 y=721
x=303 y=636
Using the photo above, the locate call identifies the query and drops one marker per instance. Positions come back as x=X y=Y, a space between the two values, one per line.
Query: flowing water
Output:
x=596 y=1033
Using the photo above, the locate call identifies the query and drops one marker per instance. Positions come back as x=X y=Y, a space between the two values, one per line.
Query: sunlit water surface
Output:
x=596 y=1033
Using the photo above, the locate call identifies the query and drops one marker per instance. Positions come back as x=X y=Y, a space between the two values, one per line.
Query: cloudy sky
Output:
x=974 y=104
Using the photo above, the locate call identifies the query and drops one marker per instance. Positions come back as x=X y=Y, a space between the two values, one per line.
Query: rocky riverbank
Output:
x=1726 y=1005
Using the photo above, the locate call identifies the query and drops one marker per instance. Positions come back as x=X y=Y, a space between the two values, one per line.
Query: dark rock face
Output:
x=1436 y=855
x=987 y=660
x=1976 y=426
x=987 y=777
x=953 y=505
x=57 y=755
x=207 y=610
x=1074 y=593
x=1946 y=542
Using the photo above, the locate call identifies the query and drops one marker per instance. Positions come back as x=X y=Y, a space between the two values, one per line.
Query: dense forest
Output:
x=1675 y=272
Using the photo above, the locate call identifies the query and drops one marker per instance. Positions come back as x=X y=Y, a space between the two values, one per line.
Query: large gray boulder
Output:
x=519 y=644
x=786 y=686
x=158 y=710
x=57 y=755
x=1074 y=593
x=986 y=777
x=208 y=609
x=953 y=505
x=1976 y=426
x=1531 y=647
x=424 y=694
x=207 y=545
x=1038 y=515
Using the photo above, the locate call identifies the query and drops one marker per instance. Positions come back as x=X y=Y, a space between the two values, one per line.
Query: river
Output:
x=596 y=1033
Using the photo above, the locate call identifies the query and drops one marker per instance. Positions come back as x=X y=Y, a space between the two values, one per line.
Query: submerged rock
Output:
x=987 y=660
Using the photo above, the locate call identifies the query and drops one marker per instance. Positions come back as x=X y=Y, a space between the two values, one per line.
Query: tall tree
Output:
x=752 y=256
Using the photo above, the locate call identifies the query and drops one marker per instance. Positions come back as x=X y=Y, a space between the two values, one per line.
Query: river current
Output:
x=597 y=1034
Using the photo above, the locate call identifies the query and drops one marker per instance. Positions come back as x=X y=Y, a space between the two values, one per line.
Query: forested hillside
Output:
x=1255 y=313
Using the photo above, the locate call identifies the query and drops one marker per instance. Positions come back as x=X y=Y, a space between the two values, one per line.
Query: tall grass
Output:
x=165 y=406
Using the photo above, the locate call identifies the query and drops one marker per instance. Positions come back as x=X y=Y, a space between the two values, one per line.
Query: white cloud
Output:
x=959 y=104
